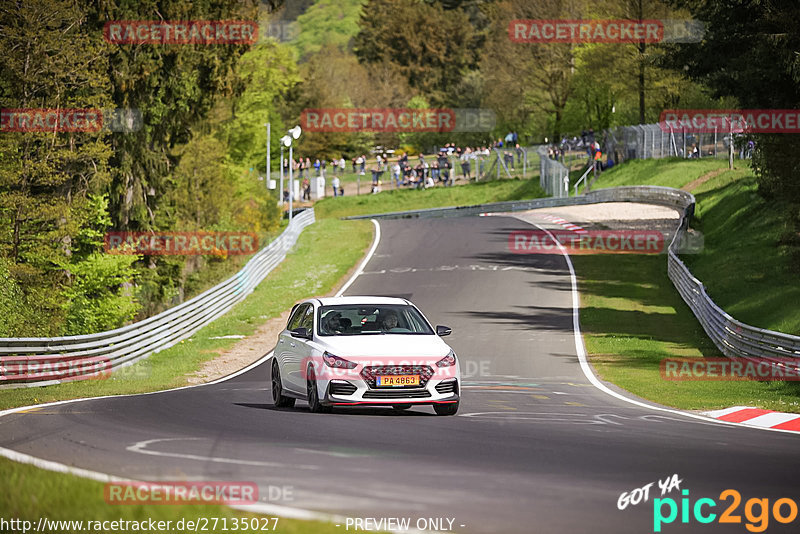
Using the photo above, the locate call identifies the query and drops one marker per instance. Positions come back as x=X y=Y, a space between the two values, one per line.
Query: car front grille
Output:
x=342 y=388
x=425 y=373
x=398 y=393
x=449 y=386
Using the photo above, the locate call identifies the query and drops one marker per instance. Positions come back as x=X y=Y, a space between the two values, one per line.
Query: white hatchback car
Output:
x=355 y=351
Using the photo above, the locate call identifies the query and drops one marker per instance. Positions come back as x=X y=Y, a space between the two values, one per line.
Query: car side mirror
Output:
x=301 y=332
x=442 y=331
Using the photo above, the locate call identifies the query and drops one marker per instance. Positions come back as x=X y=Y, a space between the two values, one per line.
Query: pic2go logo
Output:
x=757 y=511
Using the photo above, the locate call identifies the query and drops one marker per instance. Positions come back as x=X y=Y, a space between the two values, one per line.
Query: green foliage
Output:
x=327 y=22
x=750 y=52
x=12 y=313
x=97 y=299
x=265 y=73
x=99 y=296
x=432 y=48
x=44 y=177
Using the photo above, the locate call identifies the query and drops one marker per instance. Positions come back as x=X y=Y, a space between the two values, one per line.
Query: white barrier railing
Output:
x=43 y=361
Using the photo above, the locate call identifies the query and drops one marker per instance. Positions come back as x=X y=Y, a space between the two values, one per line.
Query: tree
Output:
x=325 y=23
x=433 y=48
x=99 y=296
x=751 y=51
x=45 y=177
x=174 y=88
x=525 y=78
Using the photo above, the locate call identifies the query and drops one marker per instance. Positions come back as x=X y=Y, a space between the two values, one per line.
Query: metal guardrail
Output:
x=733 y=338
x=26 y=362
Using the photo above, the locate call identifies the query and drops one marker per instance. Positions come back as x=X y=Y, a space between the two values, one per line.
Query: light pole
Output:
x=268 y=174
x=294 y=133
x=281 y=190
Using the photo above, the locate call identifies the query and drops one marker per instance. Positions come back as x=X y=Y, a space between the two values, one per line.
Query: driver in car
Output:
x=389 y=322
x=333 y=323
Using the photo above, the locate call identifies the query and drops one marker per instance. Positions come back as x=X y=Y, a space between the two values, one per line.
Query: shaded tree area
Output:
x=751 y=51
x=189 y=167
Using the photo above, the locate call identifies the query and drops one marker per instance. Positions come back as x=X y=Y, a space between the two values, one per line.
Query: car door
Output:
x=286 y=351
x=301 y=352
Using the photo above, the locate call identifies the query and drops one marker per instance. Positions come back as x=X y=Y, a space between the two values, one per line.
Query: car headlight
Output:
x=447 y=361
x=337 y=362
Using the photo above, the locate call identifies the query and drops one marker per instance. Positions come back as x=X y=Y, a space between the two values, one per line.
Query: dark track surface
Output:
x=535 y=447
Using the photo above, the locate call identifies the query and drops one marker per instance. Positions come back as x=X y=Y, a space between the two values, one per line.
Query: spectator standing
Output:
x=444 y=169
x=435 y=170
x=335 y=183
x=306 y=189
x=465 y=163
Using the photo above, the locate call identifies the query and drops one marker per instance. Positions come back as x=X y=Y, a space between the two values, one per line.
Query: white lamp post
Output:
x=294 y=133
x=268 y=154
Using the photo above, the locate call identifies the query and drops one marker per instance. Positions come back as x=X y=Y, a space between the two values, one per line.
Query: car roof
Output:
x=333 y=301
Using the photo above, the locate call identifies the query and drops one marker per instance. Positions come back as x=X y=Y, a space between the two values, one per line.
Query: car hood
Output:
x=386 y=346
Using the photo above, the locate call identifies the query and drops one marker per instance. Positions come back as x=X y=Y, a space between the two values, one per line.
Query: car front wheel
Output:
x=446 y=409
x=313 y=397
x=278 y=398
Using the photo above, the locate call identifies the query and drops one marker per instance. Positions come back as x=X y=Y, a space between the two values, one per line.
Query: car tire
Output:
x=314 y=405
x=446 y=409
x=278 y=398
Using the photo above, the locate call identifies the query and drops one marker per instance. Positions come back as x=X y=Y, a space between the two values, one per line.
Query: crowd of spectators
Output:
x=450 y=163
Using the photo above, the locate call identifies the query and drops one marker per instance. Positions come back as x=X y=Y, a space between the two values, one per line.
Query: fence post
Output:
x=730 y=142
x=683 y=129
x=524 y=162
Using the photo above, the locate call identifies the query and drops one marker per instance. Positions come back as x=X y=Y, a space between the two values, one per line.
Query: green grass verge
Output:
x=670 y=172
x=42 y=494
x=323 y=254
x=404 y=199
x=632 y=317
x=744 y=268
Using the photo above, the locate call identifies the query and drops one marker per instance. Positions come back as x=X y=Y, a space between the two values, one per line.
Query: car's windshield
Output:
x=361 y=319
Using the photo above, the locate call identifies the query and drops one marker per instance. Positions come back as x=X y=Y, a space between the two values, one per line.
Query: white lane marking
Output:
x=266 y=509
x=366 y=260
x=586 y=368
x=260 y=508
x=142 y=448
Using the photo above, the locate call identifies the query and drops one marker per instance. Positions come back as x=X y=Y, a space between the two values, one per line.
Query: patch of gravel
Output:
x=607 y=216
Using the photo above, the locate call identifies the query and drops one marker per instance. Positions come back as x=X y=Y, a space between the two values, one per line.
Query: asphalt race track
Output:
x=535 y=448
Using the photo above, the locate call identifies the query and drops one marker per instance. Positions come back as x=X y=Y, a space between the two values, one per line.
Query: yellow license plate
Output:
x=397 y=380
